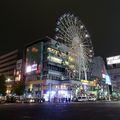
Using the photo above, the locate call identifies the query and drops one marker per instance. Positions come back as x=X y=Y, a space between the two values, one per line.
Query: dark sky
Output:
x=22 y=21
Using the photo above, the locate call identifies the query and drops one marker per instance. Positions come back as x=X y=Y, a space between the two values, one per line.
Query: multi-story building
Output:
x=45 y=67
x=8 y=66
x=48 y=69
x=99 y=72
x=113 y=66
x=98 y=67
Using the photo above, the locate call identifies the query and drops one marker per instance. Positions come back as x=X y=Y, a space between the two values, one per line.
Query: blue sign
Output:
x=108 y=81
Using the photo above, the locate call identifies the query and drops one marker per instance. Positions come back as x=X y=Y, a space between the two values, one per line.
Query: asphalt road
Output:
x=62 y=111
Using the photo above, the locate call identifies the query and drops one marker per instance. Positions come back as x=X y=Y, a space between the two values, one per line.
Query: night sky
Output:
x=22 y=21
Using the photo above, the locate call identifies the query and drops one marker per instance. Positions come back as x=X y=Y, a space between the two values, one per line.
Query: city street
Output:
x=61 y=111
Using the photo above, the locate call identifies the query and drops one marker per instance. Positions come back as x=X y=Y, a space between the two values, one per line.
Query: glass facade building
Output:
x=45 y=67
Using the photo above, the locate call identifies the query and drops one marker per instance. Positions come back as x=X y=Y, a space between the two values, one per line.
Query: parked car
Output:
x=82 y=98
x=92 y=98
x=32 y=100
x=29 y=100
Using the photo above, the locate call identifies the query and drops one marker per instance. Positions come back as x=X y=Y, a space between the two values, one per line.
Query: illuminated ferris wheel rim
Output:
x=70 y=29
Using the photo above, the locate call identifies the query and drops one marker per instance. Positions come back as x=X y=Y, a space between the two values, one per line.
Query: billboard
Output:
x=33 y=58
x=113 y=60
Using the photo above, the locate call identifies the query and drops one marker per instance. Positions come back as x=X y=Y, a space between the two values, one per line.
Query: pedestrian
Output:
x=69 y=99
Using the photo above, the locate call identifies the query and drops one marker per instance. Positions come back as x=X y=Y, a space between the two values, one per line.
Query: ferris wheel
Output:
x=72 y=32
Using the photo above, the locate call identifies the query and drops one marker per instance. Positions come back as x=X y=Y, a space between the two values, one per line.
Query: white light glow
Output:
x=46 y=97
x=28 y=69
x=29 y=96
x=63 y=93
x=51 y=92
x=8 y=91
x=86 y=35
x=81 y=26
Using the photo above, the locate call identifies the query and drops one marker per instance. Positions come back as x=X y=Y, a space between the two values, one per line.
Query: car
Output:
x=82 y=98
x=29 y=100
x=92 y=98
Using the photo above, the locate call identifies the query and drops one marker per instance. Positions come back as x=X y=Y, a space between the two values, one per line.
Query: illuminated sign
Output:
x=103 y=76
x=28 y=69
x=54 y=59
x=108 y=81
x=18 y=75
x=90 y=83
x=84 y=81
x=31 y=68
x=113 y=60
x=34 y=67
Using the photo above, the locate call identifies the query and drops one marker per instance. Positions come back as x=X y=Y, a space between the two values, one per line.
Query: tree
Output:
x=19 y=88
x=2 y=85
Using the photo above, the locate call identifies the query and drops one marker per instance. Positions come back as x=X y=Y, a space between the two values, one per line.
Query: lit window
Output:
x=34 y=50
